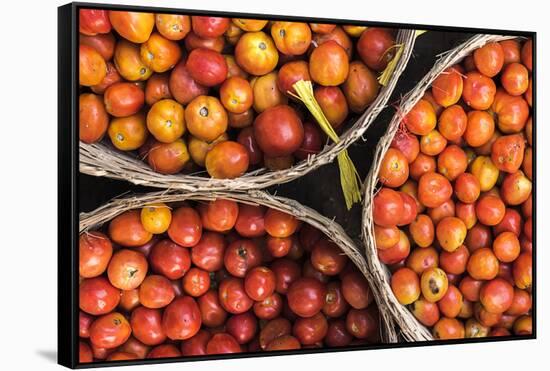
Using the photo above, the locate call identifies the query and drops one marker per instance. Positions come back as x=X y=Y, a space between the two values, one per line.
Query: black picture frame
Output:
x=68 y=180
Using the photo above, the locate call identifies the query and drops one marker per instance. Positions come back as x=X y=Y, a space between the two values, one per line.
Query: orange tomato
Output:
x=256 y=53
x=173 y=26
x=266 y=92
x=128 y=133
x=206 y=118
x=93 y=119
x=250 y=25
x=329 y=64
x=133 y=26
x=92 y=67
x=394 y=169
x=291 y=38
x=156 y=218
x=489 y=59
x=421 y=119
x=236 y=95
x=165 y=120
x=480 y=128
x=128 y=62
x=160 y=54
x=478 y=91
x=227 y=160
x=447 y=87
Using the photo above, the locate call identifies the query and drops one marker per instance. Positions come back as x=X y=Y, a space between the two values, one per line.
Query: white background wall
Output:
x=28 y=151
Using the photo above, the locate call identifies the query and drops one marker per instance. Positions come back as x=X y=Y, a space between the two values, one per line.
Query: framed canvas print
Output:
x=242 y=185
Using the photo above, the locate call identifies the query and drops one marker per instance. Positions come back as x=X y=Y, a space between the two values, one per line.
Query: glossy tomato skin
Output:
x=186 y=227
x=233 y=297
x=329 y=64
x=207 y=67
x=168 y=158
x=170 y=259
x=269 y=308
x=97 y=296
x=256 y=53
x=479 y=91
x=242 y=327
x=92 y=66
x=361 y=87
x=222 y=343
x=160 y=54
x=375 y=47
x=196 y=345
x=212 y=312
x=209 y=252
x=241 y=256
x=311 y=330
x=182 y=318
x=127 y=269
x=362 y=323
x=110 y=330
x=95 y=251
x=405 y=285
x=306 y=296
x=172 y=26
x=388 y=207
x=84 y=353
x=227 y=160
x=209 y=26
x=335 y=304
x=290 y=73
x=147 y=326
x=327 y=258
x=156 y=292
x=93 y=21
x=337 y=334
x=447 y=87
x=164 y=351
x=182 y=86
x=219 y=215
x=278 y=131
x=110 y=78
x=93 y=119
x=123 y=99
x=421 y=119
x=356 y=290
x=133 y=26
x=126 y=229
x=260 y=283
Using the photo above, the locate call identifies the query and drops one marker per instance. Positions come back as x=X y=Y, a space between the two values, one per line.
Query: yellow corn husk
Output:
x=384 y=77
x=349 y=178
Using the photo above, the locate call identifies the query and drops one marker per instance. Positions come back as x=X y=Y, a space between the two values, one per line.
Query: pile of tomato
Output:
x=188 y=93
x=454 y=213
x=216 y=277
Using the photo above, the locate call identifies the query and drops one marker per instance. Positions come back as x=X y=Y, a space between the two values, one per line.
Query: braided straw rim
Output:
x=410 y=328
x=101 y=215
x=100 y=159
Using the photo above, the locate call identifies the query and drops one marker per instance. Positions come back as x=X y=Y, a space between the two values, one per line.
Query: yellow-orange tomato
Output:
x=405 y=286
x=485 y=171
x=506 y=247
x=474 y=329
x=489 y=59
x=168 y=158
x=511 y=50
x=434 y=284
x=452 y=162
x=250 y=25
x=421 y=118
x=165 y=120
x=128 y=133
x=266 y=92
x=173 y=26
x=353 y=30
x=236 y=95
x=199 y=148
x=159 y=53
x=92 y=67
x=447 y=87
x=128 y=62
x=386 y=237
x=483 y=264
x=515 y=188
x=227 y=160
x=512 y=112
x=480 y=128
x=527 y=165
x=361 y=87
x=523 y=325
x=433 y=143
x=450 y=232
x=422 y=230
x=452 y=122
x=256 y=53
x=291 y=38
x=448 y=328
x=329 y=64
x=394 y=169
x=156 y=218
x=478 y=91
x=233 y=34
x=322 y=28
x=467 y=213
x=133 y=26
x=206 y=118
x=93 y=119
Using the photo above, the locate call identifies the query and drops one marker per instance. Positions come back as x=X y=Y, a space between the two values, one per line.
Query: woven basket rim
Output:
x=96 y=218
x=410 y=328
x=102 y=160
